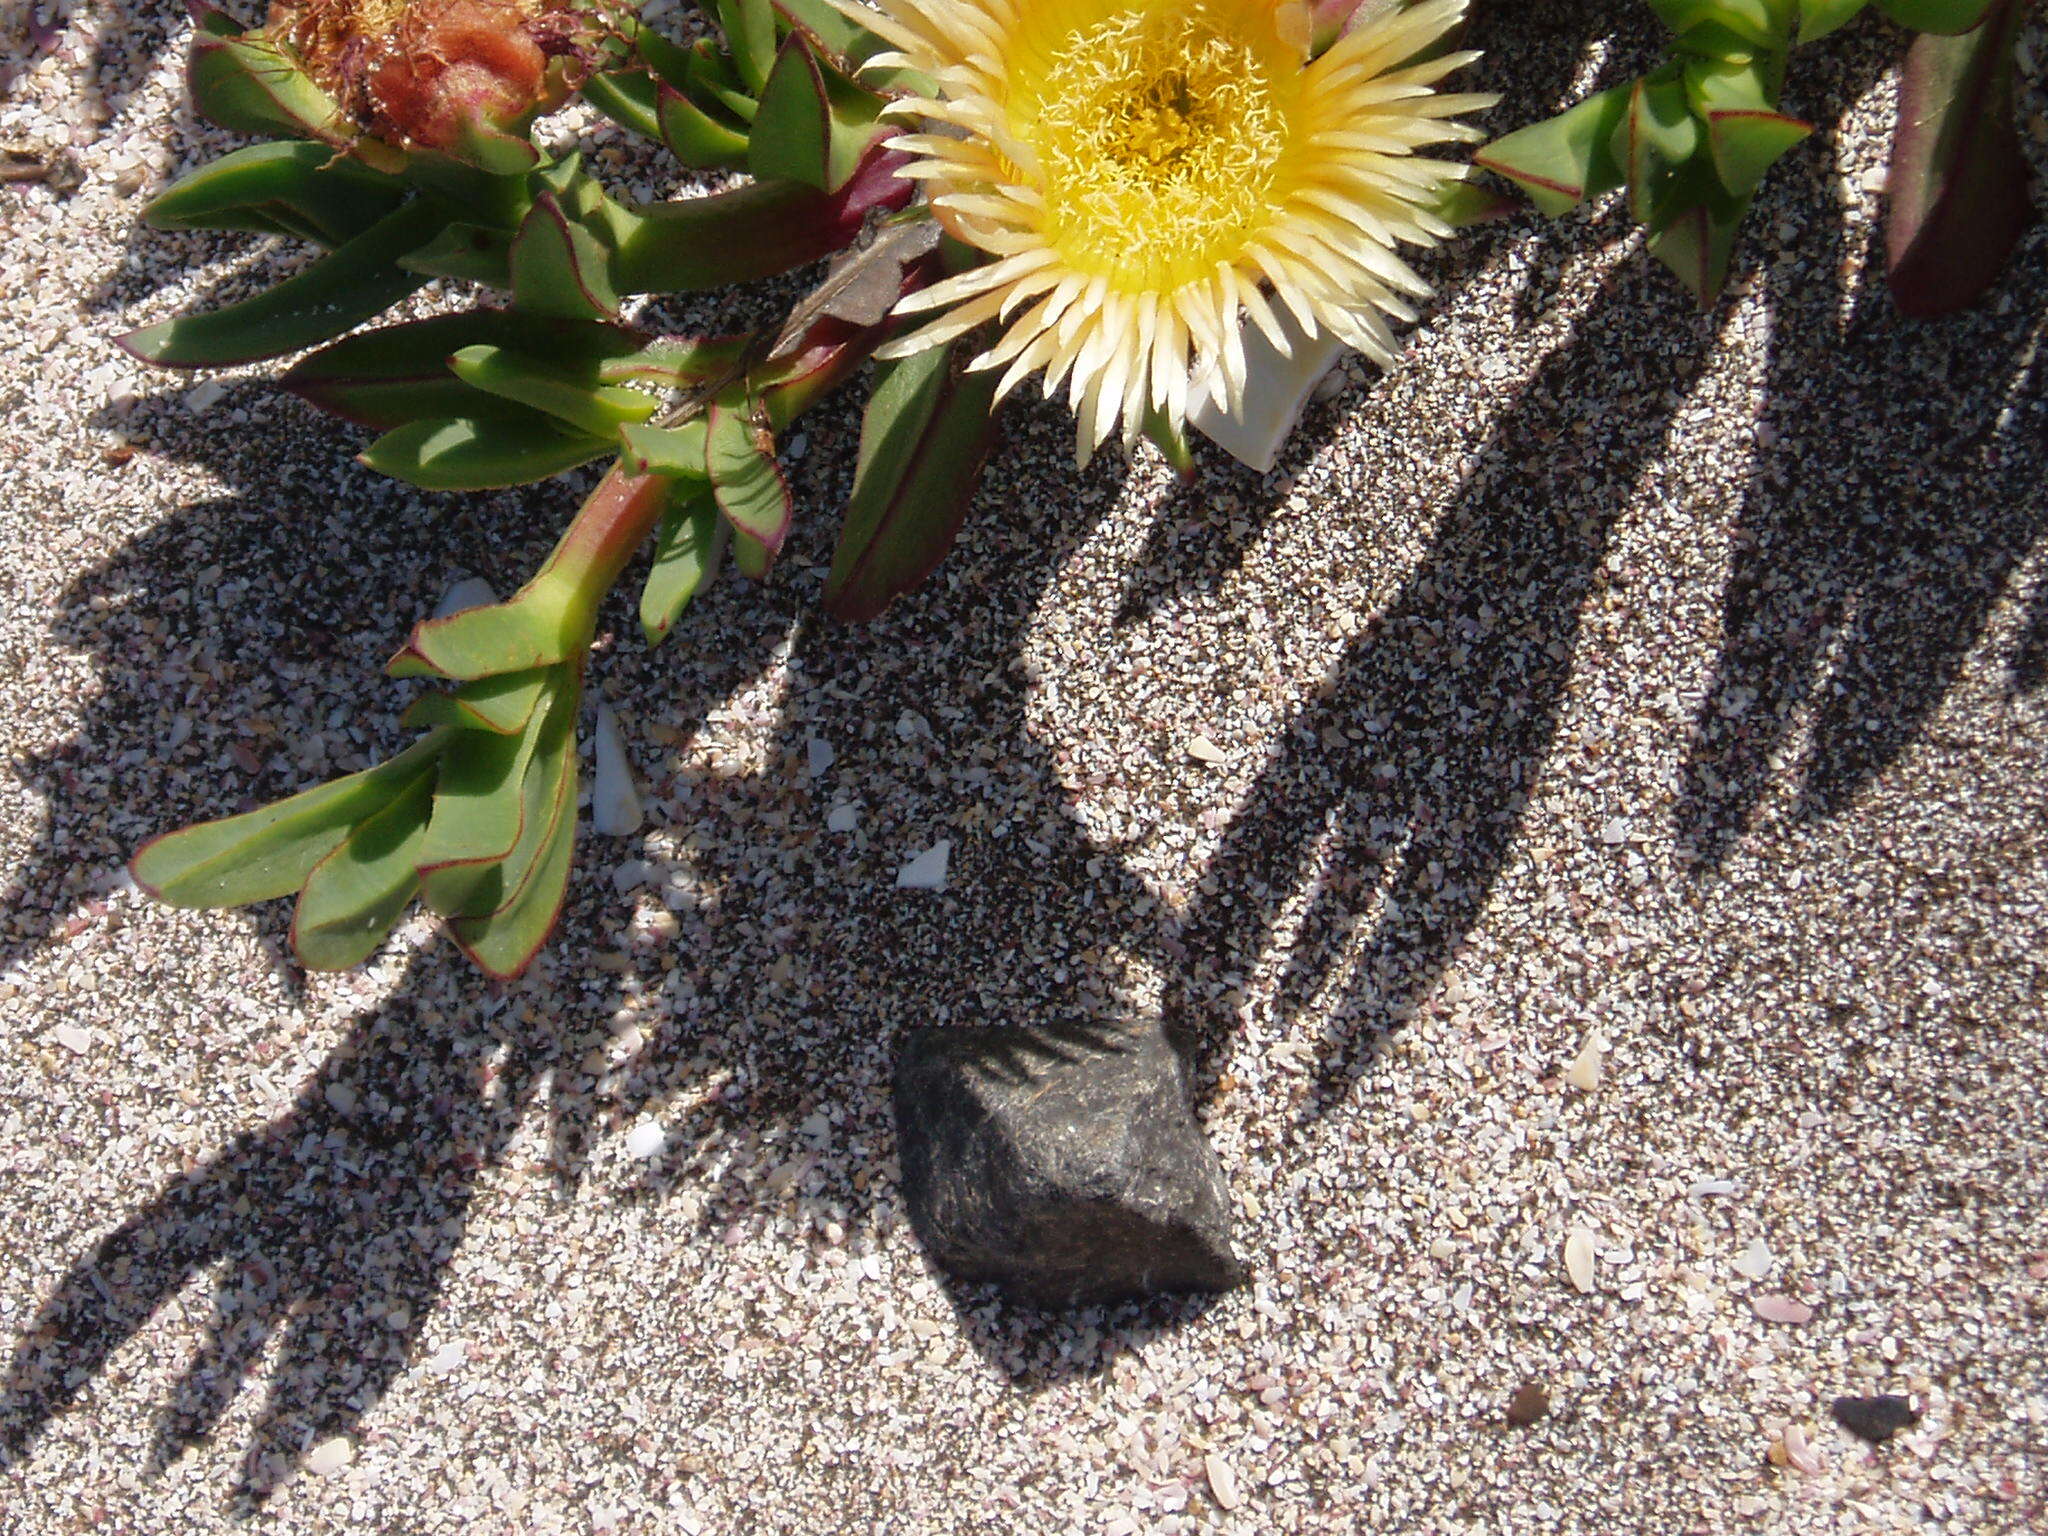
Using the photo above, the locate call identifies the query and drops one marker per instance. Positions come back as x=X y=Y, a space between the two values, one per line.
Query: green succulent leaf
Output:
x=1746 y=134
x=1760 y=24
x=559 y=267
x=479 y=811
x=1949 y=18
x=502 y=704
x=751 y=232
x=551 y=618
x=748 y=485
x=677 y=452
x=1699 y=241
x=532 y=879
x=688 y=549
x=1817 y=18
x=478 y=453
x=749 y=28
x=1959 y=199
x=924 y=438
x=575 y=397
x=279 y=188
x=338 y=292
x=270 y=851
x=1655 y=140
x=1566 y=159
x=470 y=253
x=399 y=373
x=814 y=124
x=252 y=85
x=352 y=897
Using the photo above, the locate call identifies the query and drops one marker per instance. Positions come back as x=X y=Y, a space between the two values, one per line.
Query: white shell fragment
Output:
x=330 y=1456
x=926 y=872
x=1578 y=1259
x=1203 y=750
x=1222 y=1481
x=449 y=1358
x=1755 y=1260
x=614 y=802
x=842 y=818
x=646 y=1139
x=1584 y=1072
x=74 y=1038
x=818 y=755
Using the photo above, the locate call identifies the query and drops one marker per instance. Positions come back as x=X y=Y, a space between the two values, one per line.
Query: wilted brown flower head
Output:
x=422 y=73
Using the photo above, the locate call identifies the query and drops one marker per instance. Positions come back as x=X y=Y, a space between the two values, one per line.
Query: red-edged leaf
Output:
x=748 y=484
x=924 y=439
x=1959 y=177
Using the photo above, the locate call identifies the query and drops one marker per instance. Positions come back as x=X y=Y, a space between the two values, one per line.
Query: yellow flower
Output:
x=1146 y=175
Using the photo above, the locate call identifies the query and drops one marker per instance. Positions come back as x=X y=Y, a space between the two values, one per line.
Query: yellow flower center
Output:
x=1159 y=131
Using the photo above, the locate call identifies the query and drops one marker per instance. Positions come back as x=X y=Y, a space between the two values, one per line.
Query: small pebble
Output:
x=842 y=818
x=1877 y=1418
x=646 y=1139
x=818 y=756
x=1203 y=750
x=1530 y=1403
x=73 y=1038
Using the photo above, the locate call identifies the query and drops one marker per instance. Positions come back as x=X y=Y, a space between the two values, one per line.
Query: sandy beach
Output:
x=1593 y=786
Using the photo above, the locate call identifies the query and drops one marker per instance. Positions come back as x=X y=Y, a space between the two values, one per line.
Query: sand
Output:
x=1618 y=830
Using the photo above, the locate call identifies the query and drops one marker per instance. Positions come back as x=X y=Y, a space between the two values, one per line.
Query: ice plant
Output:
x=1691 y=140
x=1147 y=175
x=1156 y=200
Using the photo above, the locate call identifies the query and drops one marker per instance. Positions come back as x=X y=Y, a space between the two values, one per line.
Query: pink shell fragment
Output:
x=1781 y=1309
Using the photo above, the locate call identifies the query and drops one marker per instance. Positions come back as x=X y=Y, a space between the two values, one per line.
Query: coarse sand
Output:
x=1588 y=800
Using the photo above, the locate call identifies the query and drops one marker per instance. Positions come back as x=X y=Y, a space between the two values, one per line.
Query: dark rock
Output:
x=1065 y=1164
x=1529 y=1404
x=1875 y=1419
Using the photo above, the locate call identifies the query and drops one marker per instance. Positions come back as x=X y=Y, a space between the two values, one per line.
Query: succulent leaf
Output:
x=924 y=438
x=814 y=124
x=502 y=704
x=675 y=452
x=288 y=187
x=479 y=810
x=1566 y=159
x=352 y=897
x=338 y=292
x=749 y=28
x=689 y=548
x=1948 y=18
x=270 y=851
x=399 y=373
x=575 y=397
x=1746 y=134
x=756 y=231
x=1655 y=141
x=748 y=485
x=479 y=453
x=1817 y=18
x=559 y=267
x=1959 y=200
x=1699 y=241
x=531 y=880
